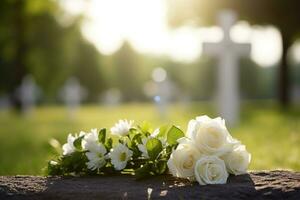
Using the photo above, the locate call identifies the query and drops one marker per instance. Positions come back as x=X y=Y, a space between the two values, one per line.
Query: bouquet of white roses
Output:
x=207 y=153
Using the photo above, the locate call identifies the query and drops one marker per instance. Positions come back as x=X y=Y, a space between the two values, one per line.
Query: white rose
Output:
x=182 y=160
x=210 y=170
x=210 y=135
x=238 y=160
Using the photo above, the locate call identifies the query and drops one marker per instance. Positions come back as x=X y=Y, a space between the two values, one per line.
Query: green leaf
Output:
x=102 y=135
x=77 y=143
x=163 y=131
x=136 y=152
x=142 y=172
x=161 y=167
x=154 y=147
x=133 y=144
x=168 y=149
x=121 y=141
x=174 y=134
x=57 y=149
x=137 y=138
x=75 y=162
x=145 y=127
x=108 y=144
x=132 y=132
x=54 y=169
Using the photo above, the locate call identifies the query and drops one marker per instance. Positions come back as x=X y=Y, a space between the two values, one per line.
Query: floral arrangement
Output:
x=207 y=153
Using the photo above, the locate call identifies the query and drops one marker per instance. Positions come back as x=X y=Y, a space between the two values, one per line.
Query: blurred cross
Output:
x=28 y=92
x=73 y=94
x=164 y=89
x=228 y=54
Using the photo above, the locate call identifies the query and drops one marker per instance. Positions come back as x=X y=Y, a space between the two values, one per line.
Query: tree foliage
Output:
x=35 y=40
x=282 y=14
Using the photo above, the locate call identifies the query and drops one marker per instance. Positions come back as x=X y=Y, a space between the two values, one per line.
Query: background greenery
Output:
x=41 y=39
x=271 y=136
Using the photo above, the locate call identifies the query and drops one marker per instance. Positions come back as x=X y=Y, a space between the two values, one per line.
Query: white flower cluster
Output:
x=96 y=152
x=208 y=153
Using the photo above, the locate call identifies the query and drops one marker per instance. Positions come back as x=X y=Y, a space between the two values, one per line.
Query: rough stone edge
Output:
x=276 y=184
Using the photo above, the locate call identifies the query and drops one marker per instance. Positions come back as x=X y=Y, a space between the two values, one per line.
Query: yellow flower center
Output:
x=123 y=156
x=100 y=155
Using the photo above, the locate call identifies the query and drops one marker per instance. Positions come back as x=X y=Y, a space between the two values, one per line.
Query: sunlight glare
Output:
x=296 y=52
x=266 y=45
x=144 y=24
x=265 y=42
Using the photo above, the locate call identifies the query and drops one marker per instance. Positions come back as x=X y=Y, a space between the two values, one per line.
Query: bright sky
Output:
x=144 y=24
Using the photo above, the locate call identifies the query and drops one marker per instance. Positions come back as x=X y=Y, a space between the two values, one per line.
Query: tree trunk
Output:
x=20 y=49
x=284 y=85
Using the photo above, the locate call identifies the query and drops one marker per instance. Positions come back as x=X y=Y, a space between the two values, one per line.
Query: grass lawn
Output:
x=271 y=136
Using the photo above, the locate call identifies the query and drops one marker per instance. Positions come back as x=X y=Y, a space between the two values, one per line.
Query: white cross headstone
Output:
x=296 y=93
x=72 y=94
x=111 y=97
x=228 y=54
x=163 y=92
x=28 y=92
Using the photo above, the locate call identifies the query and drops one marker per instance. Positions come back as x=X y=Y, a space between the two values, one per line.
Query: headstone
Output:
x=73 y=94
x=163 y=90
x=4 y=102
x=228 y=54
x=296 y=93
x=111 y=97
x=28 y=92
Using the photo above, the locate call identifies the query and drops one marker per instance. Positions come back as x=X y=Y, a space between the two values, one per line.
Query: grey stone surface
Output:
x=256 y=185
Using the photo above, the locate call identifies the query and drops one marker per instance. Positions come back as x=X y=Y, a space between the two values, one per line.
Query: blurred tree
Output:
x=51 y=52
x=87 y=69
x=284 y=15
x=295 y=74
x=262 y=80
x=13 y=43
x=34 y=39
x=127 y=73
x=197 y=82
x=6 y=49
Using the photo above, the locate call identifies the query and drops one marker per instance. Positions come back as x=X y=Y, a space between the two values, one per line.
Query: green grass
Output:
x=271 y=136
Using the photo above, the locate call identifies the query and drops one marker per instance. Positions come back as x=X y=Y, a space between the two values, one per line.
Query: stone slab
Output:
x=255 y=185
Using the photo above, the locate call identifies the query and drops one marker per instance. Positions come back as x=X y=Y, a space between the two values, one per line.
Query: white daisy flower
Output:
x=122 y=127
x=96 y=157
x=119 y=156
x=90 y=140
x=69 y=148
